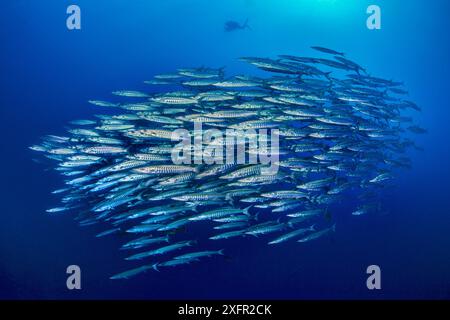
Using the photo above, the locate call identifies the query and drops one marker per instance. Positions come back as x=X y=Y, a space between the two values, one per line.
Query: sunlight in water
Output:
x=325 y=8
x=326 y=1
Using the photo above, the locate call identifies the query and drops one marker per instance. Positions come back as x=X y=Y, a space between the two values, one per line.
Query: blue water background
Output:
x=47 y=74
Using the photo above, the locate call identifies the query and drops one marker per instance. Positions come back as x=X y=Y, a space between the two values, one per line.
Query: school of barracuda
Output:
x=342 y=133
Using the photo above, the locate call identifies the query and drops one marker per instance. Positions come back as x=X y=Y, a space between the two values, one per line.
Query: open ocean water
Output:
x=48 y=73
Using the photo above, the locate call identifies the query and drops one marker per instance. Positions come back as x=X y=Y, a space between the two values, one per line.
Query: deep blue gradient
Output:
x=47 y=74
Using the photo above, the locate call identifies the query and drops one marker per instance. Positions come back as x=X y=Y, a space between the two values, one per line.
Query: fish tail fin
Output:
x=155 y=267
x=140 y=196
x=333 y=228
x=192 y=242
x=328 y=74
x=167 y=238
x=245 y=211
x=312 y=228
x=221 y=252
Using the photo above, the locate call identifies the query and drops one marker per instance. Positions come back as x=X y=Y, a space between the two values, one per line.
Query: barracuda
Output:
x=327 y=133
